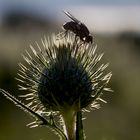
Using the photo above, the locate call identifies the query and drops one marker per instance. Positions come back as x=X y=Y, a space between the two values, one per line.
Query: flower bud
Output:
x=65 y=82
x=63 y=74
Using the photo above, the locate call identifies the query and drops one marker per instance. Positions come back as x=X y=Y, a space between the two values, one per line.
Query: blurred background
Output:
x=115 y=26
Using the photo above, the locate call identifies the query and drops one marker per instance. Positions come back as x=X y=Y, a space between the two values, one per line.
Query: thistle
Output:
x=63 y=78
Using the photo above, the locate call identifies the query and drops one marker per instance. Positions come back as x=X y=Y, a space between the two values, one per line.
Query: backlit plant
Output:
x=62 y=78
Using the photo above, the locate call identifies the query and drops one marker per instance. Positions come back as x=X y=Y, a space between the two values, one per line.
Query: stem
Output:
x=69 y=118
x=79 y=126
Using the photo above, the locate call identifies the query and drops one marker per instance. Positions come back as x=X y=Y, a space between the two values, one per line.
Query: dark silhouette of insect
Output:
x=78 y=28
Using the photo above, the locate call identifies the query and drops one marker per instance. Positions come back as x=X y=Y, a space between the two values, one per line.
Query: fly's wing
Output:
x=71 y=17
x=80 y=26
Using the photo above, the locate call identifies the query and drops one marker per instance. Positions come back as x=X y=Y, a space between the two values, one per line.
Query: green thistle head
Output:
x=63 y=74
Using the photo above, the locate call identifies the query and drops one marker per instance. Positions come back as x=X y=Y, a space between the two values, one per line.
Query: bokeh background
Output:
x=115 y=26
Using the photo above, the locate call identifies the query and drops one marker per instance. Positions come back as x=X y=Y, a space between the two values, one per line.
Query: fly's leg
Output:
x=61 y=35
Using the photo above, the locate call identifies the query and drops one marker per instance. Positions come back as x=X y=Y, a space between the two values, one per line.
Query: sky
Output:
x=99 y=15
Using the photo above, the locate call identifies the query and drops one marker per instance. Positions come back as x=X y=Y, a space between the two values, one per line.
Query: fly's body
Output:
x=78 y=28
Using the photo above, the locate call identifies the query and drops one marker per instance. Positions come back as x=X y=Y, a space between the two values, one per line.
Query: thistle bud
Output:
x=64 y=82
x=64 y=73
x=63 y=77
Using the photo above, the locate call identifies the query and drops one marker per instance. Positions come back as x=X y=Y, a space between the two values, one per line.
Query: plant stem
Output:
x=79 y=126
x=69 y=119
